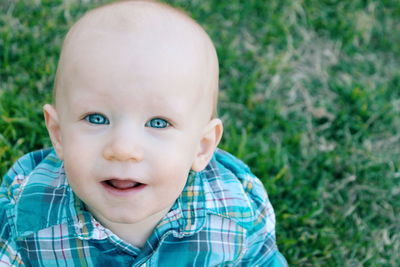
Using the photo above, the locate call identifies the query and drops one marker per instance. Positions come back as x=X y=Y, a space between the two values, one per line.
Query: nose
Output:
x=124 y=145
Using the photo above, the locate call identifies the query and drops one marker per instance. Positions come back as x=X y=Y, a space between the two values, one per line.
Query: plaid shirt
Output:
x=222 y=218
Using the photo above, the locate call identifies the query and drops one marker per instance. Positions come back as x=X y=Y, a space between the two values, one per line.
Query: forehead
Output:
x=116 y=67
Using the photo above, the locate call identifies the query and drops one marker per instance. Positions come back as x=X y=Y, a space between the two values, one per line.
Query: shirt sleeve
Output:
x=261 y=242
x=9 y=255
x=260 y=254
x=262 y=250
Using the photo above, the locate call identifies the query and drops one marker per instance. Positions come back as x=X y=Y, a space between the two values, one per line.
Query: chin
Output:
x=116 y=217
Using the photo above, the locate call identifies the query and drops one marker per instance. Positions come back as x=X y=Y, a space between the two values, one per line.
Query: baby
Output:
x=135 y=177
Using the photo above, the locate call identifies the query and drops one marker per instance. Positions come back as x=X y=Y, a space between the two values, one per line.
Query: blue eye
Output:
x=97 y=119
x=157 y=123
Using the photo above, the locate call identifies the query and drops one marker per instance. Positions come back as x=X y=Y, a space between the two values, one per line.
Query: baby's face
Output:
x=133 y=119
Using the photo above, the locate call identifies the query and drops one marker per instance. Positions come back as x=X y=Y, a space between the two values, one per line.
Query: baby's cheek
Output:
x=174 y=178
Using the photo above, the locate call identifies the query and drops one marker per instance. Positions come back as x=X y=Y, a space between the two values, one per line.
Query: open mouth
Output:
x=122 y=185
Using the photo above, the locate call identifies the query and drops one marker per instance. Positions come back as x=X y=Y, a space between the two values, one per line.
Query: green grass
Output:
x=310 y=98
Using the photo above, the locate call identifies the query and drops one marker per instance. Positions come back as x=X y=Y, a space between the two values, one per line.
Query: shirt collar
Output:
x=43 y=197
x=188 y=214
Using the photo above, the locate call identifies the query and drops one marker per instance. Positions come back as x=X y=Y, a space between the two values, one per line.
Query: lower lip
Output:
x=122 y=192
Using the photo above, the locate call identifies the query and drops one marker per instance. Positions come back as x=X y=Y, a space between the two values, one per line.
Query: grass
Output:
x=310 y=98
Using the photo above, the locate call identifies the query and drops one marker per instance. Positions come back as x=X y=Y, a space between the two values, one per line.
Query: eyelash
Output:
x=94 y=119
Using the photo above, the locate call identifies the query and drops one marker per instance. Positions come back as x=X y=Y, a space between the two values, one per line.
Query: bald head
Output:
x=145 y=38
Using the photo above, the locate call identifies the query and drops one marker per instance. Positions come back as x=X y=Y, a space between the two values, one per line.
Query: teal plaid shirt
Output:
x=222 y=218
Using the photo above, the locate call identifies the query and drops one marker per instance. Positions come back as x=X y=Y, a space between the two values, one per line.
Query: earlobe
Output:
x=53 y=127
x=208 y=143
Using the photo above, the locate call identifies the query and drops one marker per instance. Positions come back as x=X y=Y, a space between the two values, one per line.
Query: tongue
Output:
x=122 y=184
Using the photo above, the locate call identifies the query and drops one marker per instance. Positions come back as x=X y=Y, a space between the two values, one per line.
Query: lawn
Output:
x=309 y=96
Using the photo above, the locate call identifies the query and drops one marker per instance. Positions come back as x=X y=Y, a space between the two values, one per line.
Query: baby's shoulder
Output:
x=234 y=192
x=19 y=173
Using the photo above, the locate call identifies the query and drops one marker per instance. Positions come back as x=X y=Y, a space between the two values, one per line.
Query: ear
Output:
x=53 y=127
x=209 y=141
